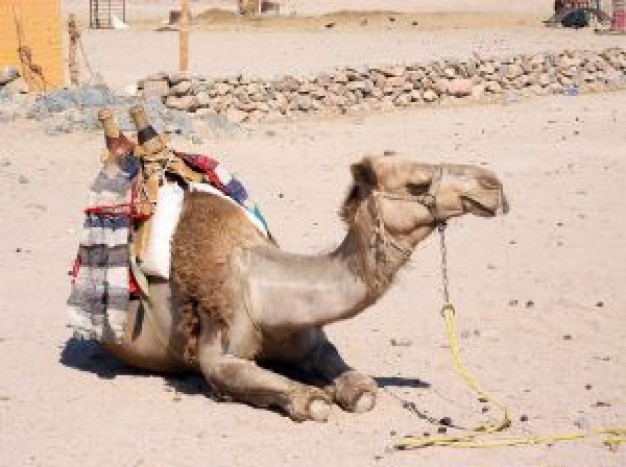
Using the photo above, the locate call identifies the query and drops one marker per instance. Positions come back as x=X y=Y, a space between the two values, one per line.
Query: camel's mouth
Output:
x=486 y=207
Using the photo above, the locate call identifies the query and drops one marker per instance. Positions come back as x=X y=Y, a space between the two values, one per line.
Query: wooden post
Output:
x=249 y=8
x=74 y=36
x=116 y=142
x=183 y=53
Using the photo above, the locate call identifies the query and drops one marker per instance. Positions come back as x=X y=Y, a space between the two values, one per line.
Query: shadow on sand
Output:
x=400 y=382
x=88 y=356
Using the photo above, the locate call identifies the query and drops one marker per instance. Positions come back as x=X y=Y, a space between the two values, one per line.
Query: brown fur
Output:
x=367 y=259
x=210 y=230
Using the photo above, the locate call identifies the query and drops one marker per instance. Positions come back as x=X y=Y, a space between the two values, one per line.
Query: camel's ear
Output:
x=363 y=173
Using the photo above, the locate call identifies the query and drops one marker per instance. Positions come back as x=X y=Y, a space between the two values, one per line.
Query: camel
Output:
x=235 y=301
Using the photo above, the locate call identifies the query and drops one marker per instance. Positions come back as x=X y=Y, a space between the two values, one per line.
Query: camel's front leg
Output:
x=244 y=381
x=353 y=391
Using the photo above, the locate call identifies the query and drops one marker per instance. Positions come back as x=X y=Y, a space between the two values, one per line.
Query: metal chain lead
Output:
x=441 y=227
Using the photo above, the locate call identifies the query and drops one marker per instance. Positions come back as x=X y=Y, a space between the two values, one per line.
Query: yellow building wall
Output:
x=41 y=31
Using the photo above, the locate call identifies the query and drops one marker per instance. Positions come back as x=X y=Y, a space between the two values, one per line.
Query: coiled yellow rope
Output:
x=473 y=438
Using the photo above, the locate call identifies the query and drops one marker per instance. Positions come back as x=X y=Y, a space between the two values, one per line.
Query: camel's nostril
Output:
x=489 y=182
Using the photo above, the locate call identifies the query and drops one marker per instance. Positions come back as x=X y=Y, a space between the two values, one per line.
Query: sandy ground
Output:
x=540 y=293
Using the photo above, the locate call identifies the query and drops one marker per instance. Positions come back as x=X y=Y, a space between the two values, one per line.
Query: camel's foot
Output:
x=309 y=404
x=355 y=392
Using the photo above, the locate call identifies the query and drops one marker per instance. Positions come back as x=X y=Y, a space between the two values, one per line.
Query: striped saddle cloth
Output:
x=102 y=282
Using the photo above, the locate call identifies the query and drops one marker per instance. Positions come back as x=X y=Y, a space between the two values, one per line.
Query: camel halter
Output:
x=428 y=200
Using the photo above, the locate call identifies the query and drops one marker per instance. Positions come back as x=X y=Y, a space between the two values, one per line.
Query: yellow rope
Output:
x=472 y=439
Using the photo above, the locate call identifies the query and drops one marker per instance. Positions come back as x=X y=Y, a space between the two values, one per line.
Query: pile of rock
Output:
x=373 y=88
x=75 y=109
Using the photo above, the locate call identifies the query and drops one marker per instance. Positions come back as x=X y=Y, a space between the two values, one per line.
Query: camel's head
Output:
x=408 y=195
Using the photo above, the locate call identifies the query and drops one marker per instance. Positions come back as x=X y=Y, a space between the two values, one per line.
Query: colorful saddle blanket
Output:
x=102 y=280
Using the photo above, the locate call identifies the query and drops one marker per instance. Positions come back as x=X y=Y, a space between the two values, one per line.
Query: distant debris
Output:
x=118 y=24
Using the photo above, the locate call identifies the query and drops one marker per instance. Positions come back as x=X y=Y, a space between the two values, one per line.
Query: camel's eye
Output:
x=417 y=189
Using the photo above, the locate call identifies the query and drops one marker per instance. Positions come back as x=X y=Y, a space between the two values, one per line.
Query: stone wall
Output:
x=373 y=88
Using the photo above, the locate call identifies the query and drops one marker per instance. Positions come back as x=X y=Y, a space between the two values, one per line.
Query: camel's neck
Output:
x=288 y=292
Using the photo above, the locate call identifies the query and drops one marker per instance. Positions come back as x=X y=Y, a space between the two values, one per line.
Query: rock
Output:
x=488 y=68
x=184 y=103
x=304 y=103
x=397 y=82
x=514 y=71
x=255 y=89
x=288 y=84
x=449 y=73
x=565 y=81
x=394 y=71
x=376 y=93
x=441 y=86
x=236 y=115
x=203 y=99
x=415 y=95
x=478 y=91
x=460 y=87
x=246 y=106
x=180 y=76
x=569 y=72
x=527 y=67
x=430 y=96
x=256 y=116
x=538 y=60
x=445 y=421
x=16 y=86
x=544 y=79
x=318 y=92
x=402 y=99
x=8 y=74
x=324 y=80
x=493 y=87
x=340 y=76
x=354 y=85
x=305 y=87
x=570 y=60
x=182 y=88
x=588 y=77
x=279 y=103
x=155 y=88
x=221 y=89
x=261 y=107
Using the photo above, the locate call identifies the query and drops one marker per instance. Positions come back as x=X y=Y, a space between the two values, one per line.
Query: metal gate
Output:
x=102 y=11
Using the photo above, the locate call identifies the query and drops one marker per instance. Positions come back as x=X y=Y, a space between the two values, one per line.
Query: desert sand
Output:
x=539 y=293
